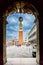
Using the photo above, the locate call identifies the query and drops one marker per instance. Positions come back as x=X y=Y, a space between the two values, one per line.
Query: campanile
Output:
x=20 y=31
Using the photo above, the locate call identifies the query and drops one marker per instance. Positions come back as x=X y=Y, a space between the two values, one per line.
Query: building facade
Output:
x=32 y=36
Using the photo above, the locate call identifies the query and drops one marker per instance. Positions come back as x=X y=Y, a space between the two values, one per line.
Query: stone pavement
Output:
x=19 y=52
x=21 y=61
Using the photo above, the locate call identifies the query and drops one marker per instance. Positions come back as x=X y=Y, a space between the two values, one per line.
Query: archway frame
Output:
x=21 y=6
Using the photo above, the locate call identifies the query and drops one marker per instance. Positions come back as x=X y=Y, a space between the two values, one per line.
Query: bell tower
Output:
x=20 y=31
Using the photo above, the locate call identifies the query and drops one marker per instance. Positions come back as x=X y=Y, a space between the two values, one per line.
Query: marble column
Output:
x=4 y=41
x=38 y=48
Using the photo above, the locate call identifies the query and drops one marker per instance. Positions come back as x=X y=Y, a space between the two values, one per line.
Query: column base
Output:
x=37 y=62
x=4 y=60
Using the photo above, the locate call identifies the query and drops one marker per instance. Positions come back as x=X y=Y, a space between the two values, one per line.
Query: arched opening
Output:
x=21 y=8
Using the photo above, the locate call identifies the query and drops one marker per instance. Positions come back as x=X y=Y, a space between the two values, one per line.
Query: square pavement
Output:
x=21 y=61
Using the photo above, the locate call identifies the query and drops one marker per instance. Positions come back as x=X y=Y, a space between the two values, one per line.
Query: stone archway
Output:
x=22 y=8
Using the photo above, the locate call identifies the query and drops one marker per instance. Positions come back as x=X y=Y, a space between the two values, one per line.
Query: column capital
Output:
x=36 y=21
x=4 y=19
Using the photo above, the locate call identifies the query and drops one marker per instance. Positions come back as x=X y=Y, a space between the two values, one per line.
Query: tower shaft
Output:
x=20 y=32
x=20 y=37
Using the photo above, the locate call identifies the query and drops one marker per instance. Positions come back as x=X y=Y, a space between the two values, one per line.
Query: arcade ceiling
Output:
x=27 y=6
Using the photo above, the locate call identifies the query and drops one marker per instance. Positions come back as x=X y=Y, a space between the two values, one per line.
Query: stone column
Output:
x=38 y=49
x=4 y=41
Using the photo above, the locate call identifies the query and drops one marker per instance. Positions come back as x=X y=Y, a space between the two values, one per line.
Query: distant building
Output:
x=9 y=42
x=12 y=42
x=32 y=35
x=16 y=41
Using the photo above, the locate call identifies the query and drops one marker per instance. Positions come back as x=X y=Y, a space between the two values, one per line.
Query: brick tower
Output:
x=20 y=31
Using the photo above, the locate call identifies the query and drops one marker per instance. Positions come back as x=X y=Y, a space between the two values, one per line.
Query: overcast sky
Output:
x=12 y=28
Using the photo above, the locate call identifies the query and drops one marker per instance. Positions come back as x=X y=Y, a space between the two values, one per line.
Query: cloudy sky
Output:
x=12 y=28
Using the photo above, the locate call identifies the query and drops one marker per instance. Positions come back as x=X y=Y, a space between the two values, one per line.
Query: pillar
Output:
x=4 y=41
x=38 y=48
